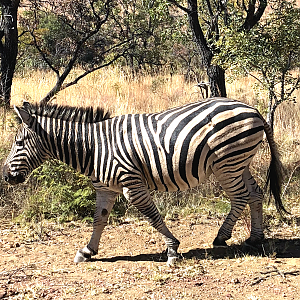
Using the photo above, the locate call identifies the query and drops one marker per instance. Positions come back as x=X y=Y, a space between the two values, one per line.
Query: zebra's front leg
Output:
x=105 y=200
x=140 y=198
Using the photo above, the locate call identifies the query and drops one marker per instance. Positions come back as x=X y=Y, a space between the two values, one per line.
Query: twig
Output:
x=290 y=178
x=277 y=272
x=258 y=280
x=9 y=274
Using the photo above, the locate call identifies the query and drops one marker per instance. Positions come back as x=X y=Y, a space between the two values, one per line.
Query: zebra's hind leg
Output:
x=105 y=200
x=140 y=198
x=255 y=203
x=238 y=193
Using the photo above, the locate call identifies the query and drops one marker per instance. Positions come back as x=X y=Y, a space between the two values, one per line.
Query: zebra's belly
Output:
x=179 y=184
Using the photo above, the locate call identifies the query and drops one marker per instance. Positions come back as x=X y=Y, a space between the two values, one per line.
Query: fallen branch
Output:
x=274 y=272
x=8 y=275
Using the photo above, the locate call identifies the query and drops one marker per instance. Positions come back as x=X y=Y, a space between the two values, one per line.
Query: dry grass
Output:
x=113 y=89
x=116 y=90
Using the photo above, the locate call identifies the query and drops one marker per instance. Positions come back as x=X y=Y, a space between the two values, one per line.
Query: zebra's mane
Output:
x=67 y=113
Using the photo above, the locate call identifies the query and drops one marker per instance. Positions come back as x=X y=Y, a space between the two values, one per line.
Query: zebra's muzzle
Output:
x=12 y=177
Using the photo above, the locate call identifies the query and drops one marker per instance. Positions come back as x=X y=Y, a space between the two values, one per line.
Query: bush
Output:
x=57 y=191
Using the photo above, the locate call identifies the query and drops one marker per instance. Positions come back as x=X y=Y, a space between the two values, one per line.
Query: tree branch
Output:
x=188 y=11
x=75 y=81
x=296 y=85
x=253 y=17
x=60 y=86
x=48 y=62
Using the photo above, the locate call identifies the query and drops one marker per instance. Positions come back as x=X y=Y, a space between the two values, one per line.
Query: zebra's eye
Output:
x=20 y=143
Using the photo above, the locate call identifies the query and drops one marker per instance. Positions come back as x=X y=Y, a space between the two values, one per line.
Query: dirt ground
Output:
x=37 y=263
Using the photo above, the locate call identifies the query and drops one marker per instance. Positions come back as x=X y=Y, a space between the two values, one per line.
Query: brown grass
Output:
x=116 y=90
x=113 y=89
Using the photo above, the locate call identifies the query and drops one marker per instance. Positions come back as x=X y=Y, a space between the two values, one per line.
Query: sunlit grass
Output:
x=117 y=91
x=112 y=89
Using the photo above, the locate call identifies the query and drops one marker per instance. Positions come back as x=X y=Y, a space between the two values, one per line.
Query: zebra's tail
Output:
x=275 y=171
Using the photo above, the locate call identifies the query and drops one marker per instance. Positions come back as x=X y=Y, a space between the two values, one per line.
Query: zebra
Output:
x=132 y=154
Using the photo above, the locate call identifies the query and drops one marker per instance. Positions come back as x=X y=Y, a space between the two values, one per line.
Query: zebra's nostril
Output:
x=6 y=178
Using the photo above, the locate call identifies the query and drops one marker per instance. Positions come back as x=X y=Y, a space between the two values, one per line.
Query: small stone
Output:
x=198 y=283
x=106 y=291
x=235 y=280
x=2 y=294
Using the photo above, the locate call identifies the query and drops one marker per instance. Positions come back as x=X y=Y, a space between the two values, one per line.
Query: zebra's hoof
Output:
x=81 y=257
x=172 y=261
x=254 y=244
x=219 y=243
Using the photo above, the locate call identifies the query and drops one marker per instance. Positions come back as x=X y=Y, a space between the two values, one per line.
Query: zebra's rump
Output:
x=178 y=148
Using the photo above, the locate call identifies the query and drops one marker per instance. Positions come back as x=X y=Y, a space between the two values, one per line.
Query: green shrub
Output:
x=57 y=191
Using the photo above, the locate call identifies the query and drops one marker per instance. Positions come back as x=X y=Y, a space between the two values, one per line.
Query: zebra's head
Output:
x=27 y=152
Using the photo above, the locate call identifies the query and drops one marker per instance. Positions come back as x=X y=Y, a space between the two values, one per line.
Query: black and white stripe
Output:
x=168 y=151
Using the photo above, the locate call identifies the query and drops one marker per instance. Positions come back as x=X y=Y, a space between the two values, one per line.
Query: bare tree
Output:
x=82 y=34
x=211 y=14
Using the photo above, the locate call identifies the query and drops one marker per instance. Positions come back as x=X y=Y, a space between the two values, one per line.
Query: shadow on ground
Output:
x=280 y=248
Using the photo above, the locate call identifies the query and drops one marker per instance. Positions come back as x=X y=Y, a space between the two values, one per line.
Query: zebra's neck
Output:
x=71 y=142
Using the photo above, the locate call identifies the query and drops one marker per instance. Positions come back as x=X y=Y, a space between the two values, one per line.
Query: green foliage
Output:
x=157 y=84
x=207 y=198
x=269 y=52
x=145 y=33
x=120 y=208
x=59 y=192
x=55 y=191
x=268 y=47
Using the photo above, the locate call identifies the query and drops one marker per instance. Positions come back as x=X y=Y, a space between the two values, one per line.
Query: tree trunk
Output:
x=8 y=47
x=215 y=73
x=216 y=77
x=272 y=105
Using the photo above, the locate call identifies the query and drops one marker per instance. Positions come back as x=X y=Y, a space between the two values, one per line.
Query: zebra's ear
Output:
x=26 y=105
x=23 y=115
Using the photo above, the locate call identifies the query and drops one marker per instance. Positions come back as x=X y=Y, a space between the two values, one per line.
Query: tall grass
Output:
x=113 y=89
x=116 y=91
